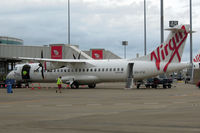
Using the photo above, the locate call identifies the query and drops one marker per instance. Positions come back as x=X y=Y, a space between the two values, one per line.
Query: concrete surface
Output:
x=107 y=109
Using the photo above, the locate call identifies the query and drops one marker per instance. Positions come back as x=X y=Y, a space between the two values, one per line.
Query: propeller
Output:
x=42 y=54
x=41 y=66
x=79 y=56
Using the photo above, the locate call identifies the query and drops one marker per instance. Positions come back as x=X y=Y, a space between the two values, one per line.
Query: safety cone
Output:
x=32 y=88
x=39 y=86
x=1 y=86
x=5 y=85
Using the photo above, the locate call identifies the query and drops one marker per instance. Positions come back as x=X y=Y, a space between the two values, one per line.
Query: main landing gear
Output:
x=92 y=85
x=75 y=85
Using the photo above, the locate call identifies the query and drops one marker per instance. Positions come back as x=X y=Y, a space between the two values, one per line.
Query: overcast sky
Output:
x=96 y=23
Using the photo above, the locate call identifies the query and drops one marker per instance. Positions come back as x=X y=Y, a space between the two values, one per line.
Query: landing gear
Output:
x=75 y=85
x=92 y=85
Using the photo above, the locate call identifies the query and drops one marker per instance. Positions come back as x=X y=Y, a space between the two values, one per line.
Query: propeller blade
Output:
x=74 y=56
x=79 y=56
x=37 y=68
x=42 y=54
x=42 y=72
x=40 y=65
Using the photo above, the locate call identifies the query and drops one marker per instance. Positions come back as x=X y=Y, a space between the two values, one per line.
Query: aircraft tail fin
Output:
x=172 y=49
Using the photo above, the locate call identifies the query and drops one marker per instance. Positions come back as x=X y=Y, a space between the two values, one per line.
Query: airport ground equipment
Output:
x=155 y=83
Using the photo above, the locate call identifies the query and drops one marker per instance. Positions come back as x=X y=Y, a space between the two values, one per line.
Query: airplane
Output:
x=165 y=58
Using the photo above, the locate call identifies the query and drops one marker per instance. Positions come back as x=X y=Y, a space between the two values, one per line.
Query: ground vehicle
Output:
x=154 y=82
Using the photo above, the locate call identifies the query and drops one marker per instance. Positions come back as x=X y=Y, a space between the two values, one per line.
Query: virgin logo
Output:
x=173 y=46
x=55 y=52
x=97 y=56
x=197 y=58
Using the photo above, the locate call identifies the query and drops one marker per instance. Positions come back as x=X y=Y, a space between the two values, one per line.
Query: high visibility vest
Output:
x=59 y=81
x=24 y=72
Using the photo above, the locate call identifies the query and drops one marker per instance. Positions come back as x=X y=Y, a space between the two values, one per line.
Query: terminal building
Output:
x=12 y=47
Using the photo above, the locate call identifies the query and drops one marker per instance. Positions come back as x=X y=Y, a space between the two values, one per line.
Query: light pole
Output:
x=145 y=42
x=68 y=21
x=124 y=43
x=161 y=21
x=191 y=71
x=191 y=31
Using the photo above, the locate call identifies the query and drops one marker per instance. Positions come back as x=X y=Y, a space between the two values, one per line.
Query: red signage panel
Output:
x=97 y=53
x=56 y=52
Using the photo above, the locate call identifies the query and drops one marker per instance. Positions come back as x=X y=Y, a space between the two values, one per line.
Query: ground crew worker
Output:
x=59 y=83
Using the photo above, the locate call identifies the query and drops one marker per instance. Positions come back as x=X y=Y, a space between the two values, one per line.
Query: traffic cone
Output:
x=39 y=86
x=5 y=85
x=32 y=88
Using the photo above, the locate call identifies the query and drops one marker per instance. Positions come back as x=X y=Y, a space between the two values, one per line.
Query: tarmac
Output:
x=108 y=108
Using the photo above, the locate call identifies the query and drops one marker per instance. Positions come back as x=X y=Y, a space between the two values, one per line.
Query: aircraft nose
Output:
x=10 y=75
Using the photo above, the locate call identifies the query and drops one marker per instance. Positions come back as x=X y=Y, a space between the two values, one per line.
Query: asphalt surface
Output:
x=107 y=109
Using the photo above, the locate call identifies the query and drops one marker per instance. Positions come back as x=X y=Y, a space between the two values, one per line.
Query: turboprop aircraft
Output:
x=165 y=58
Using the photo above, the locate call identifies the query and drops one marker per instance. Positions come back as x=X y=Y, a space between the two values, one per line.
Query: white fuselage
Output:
x=103 y=71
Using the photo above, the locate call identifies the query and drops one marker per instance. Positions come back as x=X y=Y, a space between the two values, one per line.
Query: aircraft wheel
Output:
x=164 y=86
x=92 y=85
x=138 y=86
x=147 y=86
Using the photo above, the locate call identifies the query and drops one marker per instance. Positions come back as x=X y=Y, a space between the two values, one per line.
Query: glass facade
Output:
x=10 y=40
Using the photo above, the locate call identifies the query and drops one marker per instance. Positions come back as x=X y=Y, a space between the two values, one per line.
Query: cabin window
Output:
x=95 y=69
x=83 y=70
x=91 y=70
x=79 y=70
x=57 y=70
x=102 y=69
x=65 y=70
x=99 y=69
x=54 y=70
x=118 y=69
x=68 y=70
x=61 y=70
x=122 y=69
x=114 y=69
x=87 y=70
x=106 y=69
x=111 y=69
x=76 y=70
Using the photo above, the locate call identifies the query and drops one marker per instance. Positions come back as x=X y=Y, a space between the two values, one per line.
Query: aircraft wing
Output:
x=57 y=63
